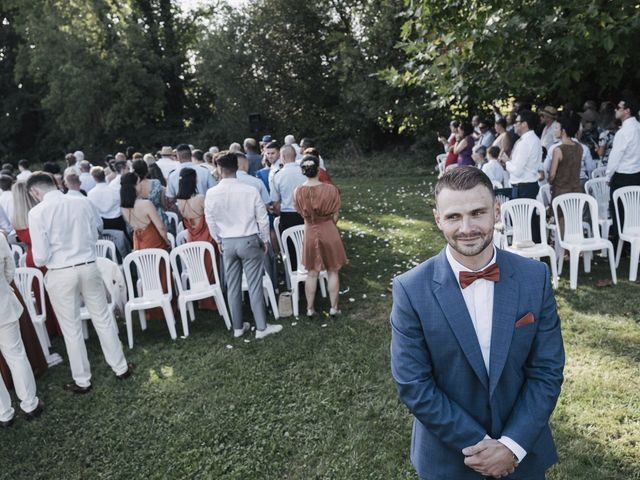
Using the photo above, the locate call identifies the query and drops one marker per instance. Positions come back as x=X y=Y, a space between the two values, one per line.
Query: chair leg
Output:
x=295 y=289
x=633 y=266
x=143 y=321
x=574 y=264
x=222 y=308
x=587 y=261
x=182 y=304
x=192 y=311
x=128 y=321
x=554 y=269
x=323 y=289
x=604 y=233
x=171 y=321
x=85 y=329
x=274 y=302
x=612 y=264
x=560 y=260
x=619 y=252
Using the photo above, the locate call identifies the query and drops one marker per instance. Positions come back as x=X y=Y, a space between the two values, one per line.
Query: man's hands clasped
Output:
x=490 y=458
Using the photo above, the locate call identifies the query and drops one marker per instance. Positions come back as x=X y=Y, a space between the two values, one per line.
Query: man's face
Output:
x=475 y=121
x=557 y=132
x=545 y=120
x=519 y=126
x=466 y=219
x=272 y=155
x=622 y=112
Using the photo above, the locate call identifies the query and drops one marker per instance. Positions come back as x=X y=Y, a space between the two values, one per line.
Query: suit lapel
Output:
x=505 y=309
x=447 y=292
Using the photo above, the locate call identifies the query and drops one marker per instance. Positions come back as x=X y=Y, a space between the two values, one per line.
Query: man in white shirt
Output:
x=623 y=166
x=12 y=348
x=64 y=231
x=167 y=162
x=476 y=349
x=237 y=221
x=204 y=178
x=548 y=118
x=486 y=137
x=272 y=155
x=86 y=180
x=121 y=167
x=25 y=173
x=494 y=169
x=107 y=202
x=6 y=197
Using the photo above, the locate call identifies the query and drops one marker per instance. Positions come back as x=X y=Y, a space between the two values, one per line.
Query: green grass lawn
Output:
x=317 y=401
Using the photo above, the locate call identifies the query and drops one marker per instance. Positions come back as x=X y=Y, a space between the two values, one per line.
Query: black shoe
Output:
x=8 y=423
x=130 y=368
x=36 y=412
x=75 y=388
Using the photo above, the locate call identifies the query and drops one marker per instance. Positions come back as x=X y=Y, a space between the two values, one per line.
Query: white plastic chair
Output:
x=630 y=231
x=283 y=254
x=300 y=275
x=598 y=188
x=269 y=292
x=440 y=160
x=85 y=316
x=182 y=238
x=519 y=213
x=17 y=252
x=150 y=293
x=193 y=282
x=172 y=240
x=25 y=279
x=573 y=239
x=106 y=249
x=599 y=172
x=174 y=220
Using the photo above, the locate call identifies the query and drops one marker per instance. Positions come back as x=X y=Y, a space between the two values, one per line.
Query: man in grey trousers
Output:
x=237 y=220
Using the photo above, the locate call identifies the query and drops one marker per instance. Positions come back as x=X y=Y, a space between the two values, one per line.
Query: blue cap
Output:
x=266 y=139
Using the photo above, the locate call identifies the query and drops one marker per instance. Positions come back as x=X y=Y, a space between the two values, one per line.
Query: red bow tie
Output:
x=491 y=273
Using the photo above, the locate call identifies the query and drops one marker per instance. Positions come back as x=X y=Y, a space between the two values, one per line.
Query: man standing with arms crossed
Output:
x=476 y=348
x=64 y=231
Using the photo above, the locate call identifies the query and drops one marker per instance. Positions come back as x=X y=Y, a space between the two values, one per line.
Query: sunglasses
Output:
x=621 y=108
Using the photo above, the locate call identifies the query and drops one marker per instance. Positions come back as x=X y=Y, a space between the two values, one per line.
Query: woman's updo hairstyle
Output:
x=310 y=166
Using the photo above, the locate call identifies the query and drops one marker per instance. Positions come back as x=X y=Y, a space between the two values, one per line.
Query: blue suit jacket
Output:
x=437 y=364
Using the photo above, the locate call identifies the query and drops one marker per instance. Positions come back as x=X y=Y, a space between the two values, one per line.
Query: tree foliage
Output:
x=469 y=52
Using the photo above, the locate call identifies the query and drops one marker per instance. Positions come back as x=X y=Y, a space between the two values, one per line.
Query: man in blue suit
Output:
x=476 y=349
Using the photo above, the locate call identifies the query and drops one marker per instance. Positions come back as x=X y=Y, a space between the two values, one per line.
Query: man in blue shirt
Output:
x=205 y=179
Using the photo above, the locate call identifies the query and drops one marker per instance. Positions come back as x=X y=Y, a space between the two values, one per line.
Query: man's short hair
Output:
x=250 y=145
x=228 y=161
x=85 y=166
x=502 y=122
x=463 y=178
x=51 y=167
x=494 y=152
x=70 y=158
x=7 y=166
x=529 y=117
x=183 y=151
x=288 y=153
x=274 y=144
x=306 y=142
x=98 y=174
x=72 y=179
x=40 y=179
x=119 y=166
x=5 y=182
x=631 y=103
x=197 y=154
x=24 y=163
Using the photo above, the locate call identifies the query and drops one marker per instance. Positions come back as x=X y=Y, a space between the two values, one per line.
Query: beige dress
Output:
x=322 y=248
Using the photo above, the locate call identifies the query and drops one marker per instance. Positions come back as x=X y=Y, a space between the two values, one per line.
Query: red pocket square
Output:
x=526 y=320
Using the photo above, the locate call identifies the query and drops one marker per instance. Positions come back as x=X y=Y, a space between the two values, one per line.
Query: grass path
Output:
x=317 y=401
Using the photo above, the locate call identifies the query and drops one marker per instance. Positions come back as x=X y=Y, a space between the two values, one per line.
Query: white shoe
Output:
x=334 y=312
x=310 y=313
x=268 y=331
x=238 y=332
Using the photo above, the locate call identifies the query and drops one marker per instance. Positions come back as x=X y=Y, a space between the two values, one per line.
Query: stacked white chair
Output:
x=295 y=234
x=106 y=249
x=149 y=293
x=599 y=172
x=175 y=222
x=17 y=252
x=172 y=240
x=269 y=292
x=630 y=230
x=190 y=273
x=283 y=255
x=182 y=238
x=519 y=214
x=440 y=160
x=25 y=279
x=598 y=188
x=572 y=206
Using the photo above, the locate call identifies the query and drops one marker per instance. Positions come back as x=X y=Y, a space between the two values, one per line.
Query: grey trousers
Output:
x=238 y=254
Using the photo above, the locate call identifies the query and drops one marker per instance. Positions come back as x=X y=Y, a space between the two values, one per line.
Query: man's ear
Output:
x=436 y=216
x=497 y=207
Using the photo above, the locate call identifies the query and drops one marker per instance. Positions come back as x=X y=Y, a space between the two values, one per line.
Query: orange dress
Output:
x=199 y=232
x=322 y=248
x=149 y=237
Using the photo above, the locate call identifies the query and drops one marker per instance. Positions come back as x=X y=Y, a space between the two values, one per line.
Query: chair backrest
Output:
x=119 y=239
x=440 y=160
x=502 y=198
x=174 y=220
x=182 y=237
x=26 y=279
x=17 y=252
x=296 y=235
x=106 y=267
x=147 y=263
x=191 y=257
x=572 y=206
x=496 y=184
x=172 y=240
x=630 y=198
x=518 y=214
x=106 y=249
x=545 y=194
x=276 y=227
x=599 y=172
x=598 y=188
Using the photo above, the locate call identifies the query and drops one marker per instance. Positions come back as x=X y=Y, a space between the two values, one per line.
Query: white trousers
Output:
x=14 y=353
x=66 y=288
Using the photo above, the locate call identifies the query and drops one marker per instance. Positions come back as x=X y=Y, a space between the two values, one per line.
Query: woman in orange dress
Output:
x=191 y=206
x=148 y=229
x=22 y=203
x=322 y=249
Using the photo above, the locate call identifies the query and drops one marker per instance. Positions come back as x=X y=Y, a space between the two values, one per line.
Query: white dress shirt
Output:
x=234 y=210
x=5 y=223
x=24 y=175
x=64 y=231
x=494 y=171
x=6 y=202
x=106 y=200
x=625 y=152
x=11 y=307
x=96 y=213
x=285 y=183
x=526 y=159
x=86 y=181
x=478 y=297
x=548 y=136
x=244 y=177
x=167 y=165
x=115 y=183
